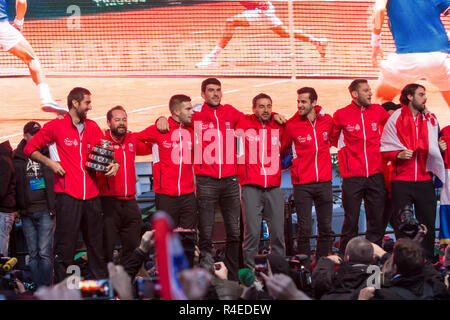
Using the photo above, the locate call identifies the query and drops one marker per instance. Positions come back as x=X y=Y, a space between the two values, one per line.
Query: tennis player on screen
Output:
x=421 y=42
x=12 y=41
x=262 y=14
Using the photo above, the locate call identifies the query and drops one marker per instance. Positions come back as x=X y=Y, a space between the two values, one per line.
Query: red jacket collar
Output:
x=318 y=110
x=116 y=141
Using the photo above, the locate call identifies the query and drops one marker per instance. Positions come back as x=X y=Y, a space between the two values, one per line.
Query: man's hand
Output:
x=366 y=293
x=147 y=241
x=222 y=271
x=405 y=154
x=56 y=167
x=18 y=24
x=279 y=118
x=335 y=258
x=162 y=124
x=421 y=234
x=112 y=169
x=120 y=281
x=282 y=287
x=442 y=145
x=376 y=52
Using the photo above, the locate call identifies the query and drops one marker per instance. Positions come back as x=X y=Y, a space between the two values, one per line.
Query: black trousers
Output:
x=73 y=215
x=423 y=196
x=373 y=191
x=183 y=211
x=121 y=218
x=321 y=194
x=225 y=191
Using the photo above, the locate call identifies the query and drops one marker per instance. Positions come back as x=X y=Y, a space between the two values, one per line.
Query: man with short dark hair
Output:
x=121 y=214
x=410 y=141
x=308 y=134
x=78 y=206
x=259 y=172
x=356 y=133
x=35 y=198
x=173 y=179
x=414 y=279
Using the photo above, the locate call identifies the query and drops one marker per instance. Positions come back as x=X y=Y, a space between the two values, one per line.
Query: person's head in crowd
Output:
x=390 y=107
x=212 y=91
x=30 y=129
x=388 y=244
x=446 y=260
x=79 y=102
x=181 y=108
x=116 y=118
x=359 y=251
x=408 y=257
x=413 y=95
x=361 y=93
x=306 y=101
x=262 y=106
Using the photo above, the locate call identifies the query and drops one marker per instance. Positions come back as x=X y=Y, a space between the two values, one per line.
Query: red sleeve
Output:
x=390 y=155
x=384 y=116
x=286 y=139
x=142 y=148
x=42 y=138
x=336 y=130
x=148 y=135
x=97 y=133
x=237 y=115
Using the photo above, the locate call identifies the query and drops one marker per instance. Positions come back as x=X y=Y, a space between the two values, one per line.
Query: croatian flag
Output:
x=170 y=257
x=400 y=134
x=444 y=210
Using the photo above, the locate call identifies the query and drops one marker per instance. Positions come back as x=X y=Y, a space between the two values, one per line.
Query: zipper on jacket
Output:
x=181 y=160
x=125 y=165
x=417 y=137
x=262 y=155
x=313 y=124
x=220 y=143
x=365 y=146
x=81 y=165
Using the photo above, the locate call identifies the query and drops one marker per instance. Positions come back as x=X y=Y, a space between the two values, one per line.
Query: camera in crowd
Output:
x=302 y=275
x=408 y=223
x=9 y=276
x=96 y=289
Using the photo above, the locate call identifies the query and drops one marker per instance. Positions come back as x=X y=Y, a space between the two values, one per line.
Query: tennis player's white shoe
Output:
x=208 y=61
x=52 y=106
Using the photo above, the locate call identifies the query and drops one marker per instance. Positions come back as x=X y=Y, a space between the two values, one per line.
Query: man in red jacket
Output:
x=259 y=172
x=410 y=141
x=308 y=133
x=121 y=214
x=356 y=134
x=173 y=178
x=77 y=202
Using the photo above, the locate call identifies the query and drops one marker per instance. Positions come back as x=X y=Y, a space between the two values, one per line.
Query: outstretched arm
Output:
x=379 y=11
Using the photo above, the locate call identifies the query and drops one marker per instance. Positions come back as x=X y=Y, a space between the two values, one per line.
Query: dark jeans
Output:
x=38 y=229
x=183 y=211
x=71 y=216
x=373 y=191
x=321 y=194
x=423 y=196
x=225 y=191
x=121 y=218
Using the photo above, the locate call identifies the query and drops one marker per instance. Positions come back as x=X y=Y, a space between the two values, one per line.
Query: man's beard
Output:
x=116 y=133
x=81 y=115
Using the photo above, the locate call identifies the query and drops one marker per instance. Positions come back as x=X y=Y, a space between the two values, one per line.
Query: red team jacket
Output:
x=413 y=169
x=215 y=146
x=310 y=142
x=123 y=184
x=445 y=135
x=70 y=149
x=356 y=133
x=172 y=158
x=259 y=152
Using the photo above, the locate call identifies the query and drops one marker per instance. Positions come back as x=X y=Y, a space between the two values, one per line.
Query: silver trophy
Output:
x=100 y=156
